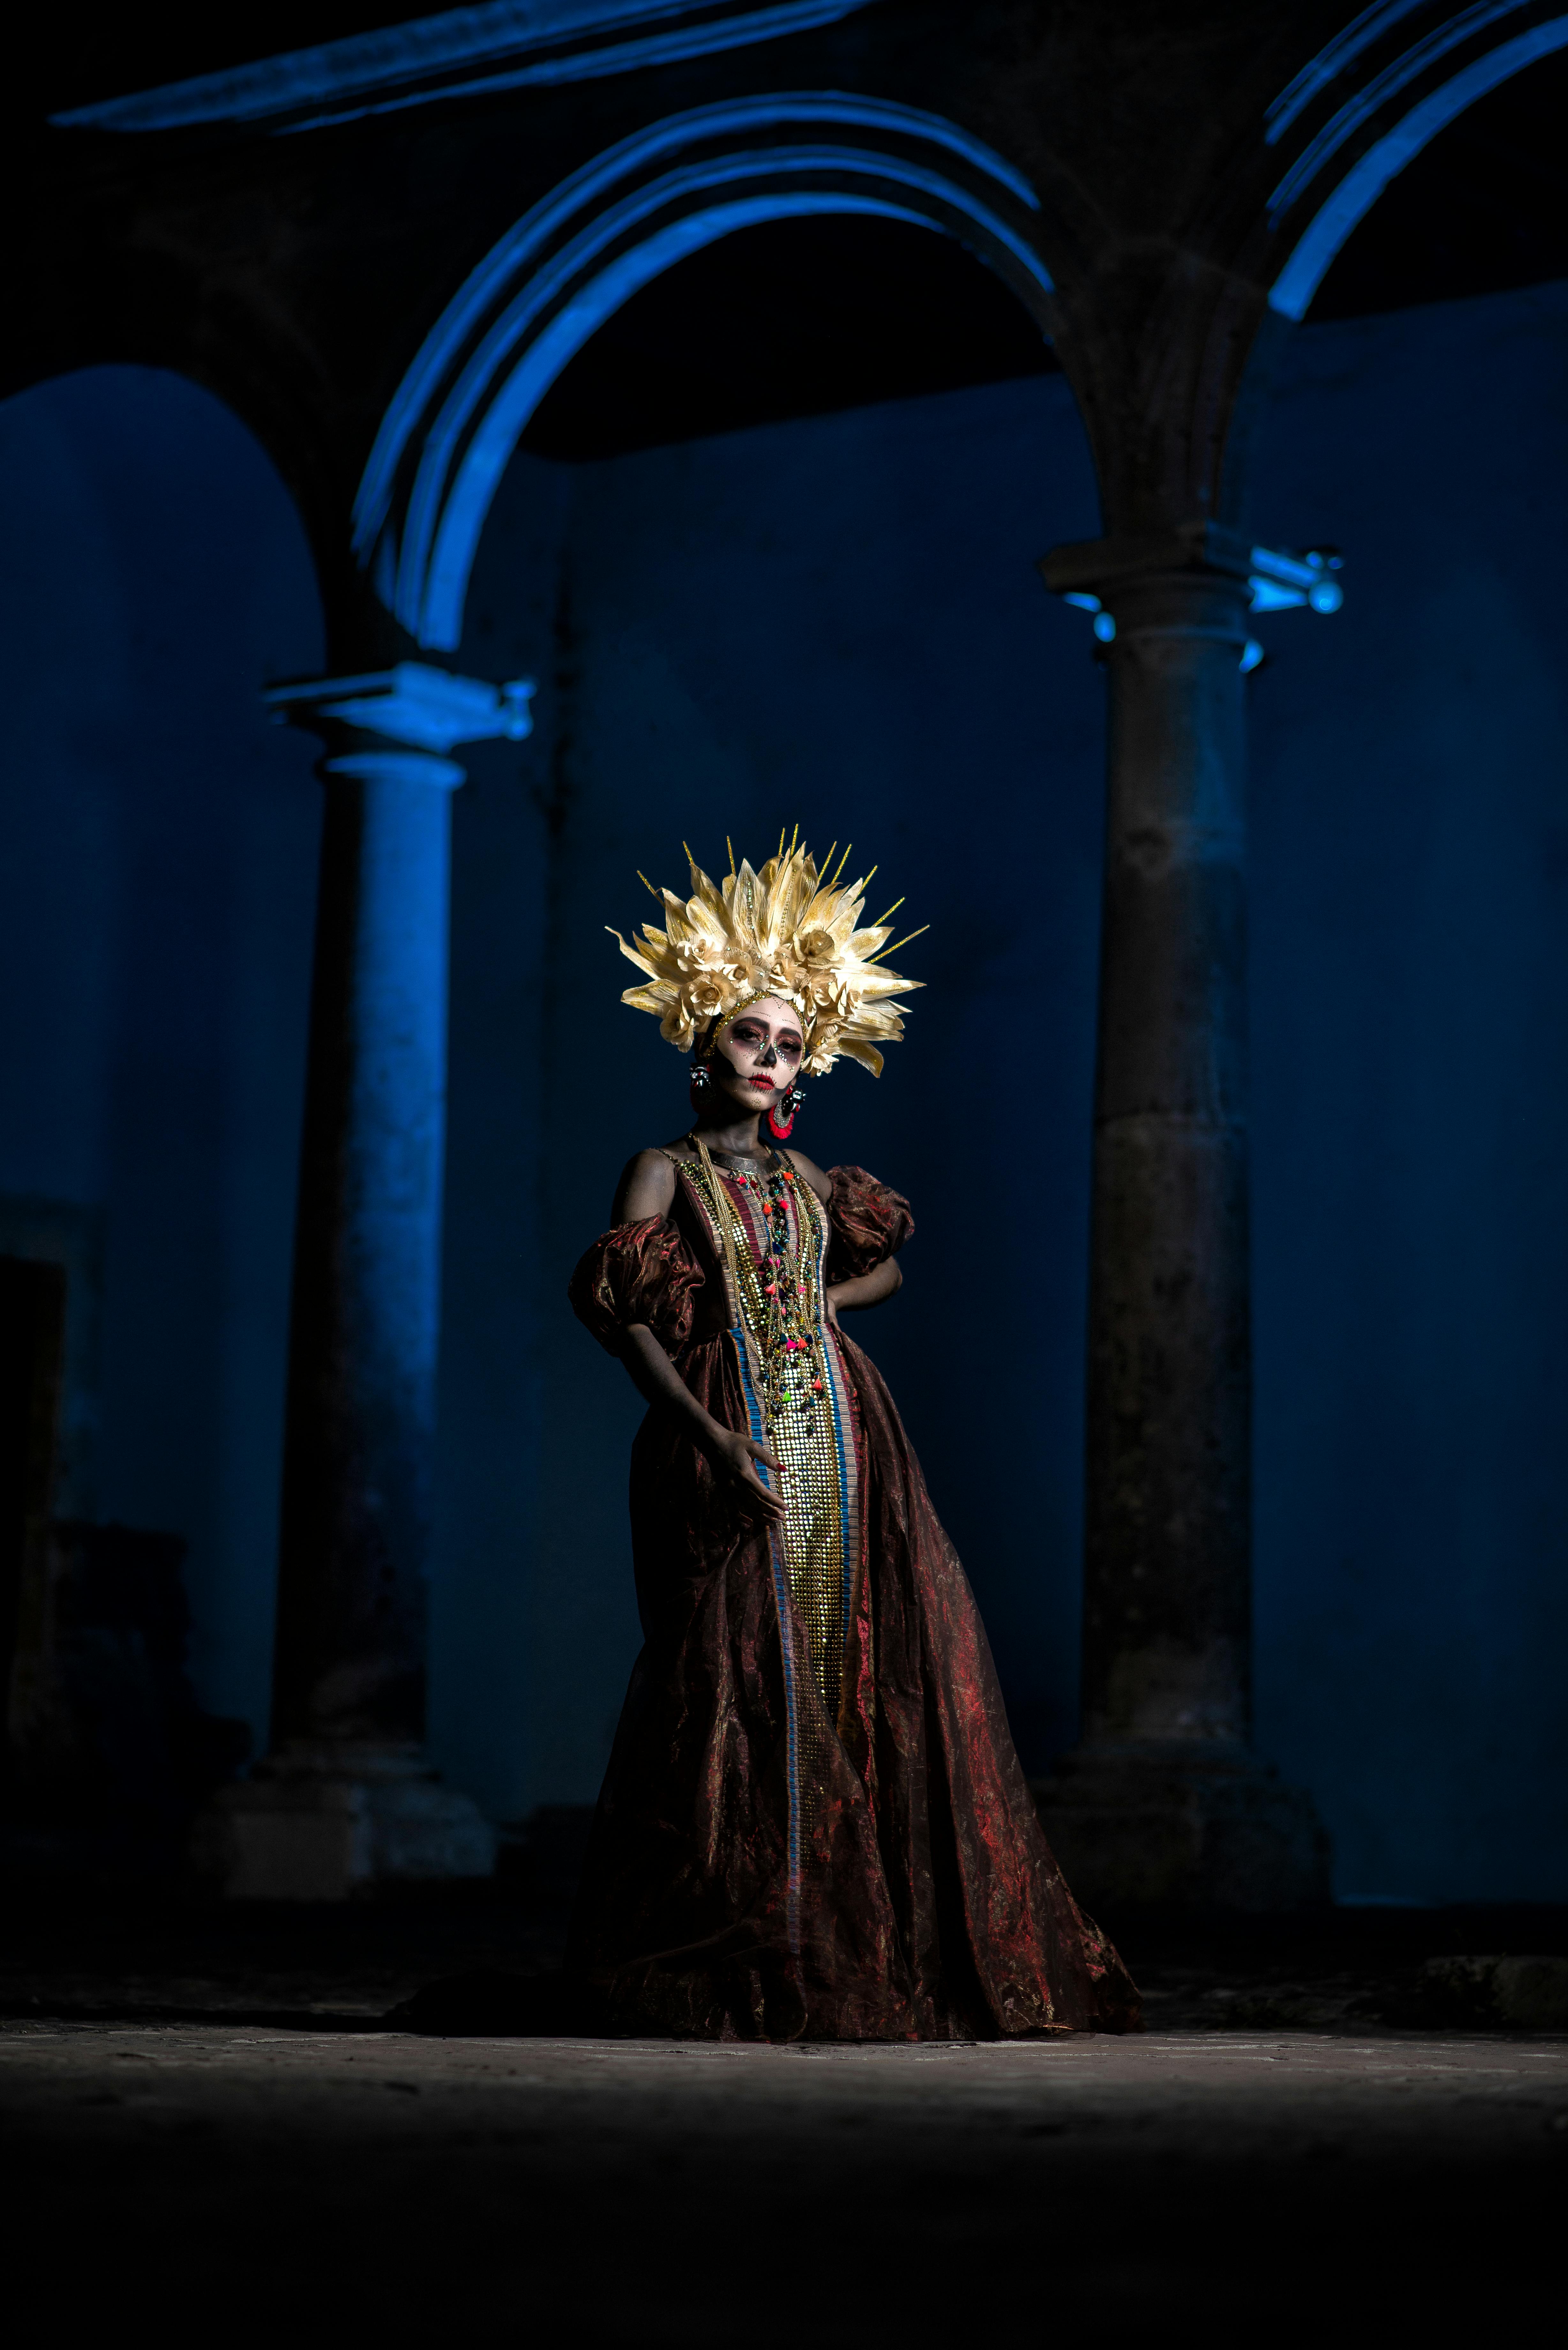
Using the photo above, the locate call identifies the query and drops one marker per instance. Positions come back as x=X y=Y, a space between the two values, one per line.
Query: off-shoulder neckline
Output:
x=777 y=1165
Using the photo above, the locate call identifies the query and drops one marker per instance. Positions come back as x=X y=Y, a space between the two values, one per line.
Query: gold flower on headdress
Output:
x=786 y=931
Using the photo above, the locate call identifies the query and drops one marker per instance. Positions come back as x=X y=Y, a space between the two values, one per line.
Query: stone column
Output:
x=1162 y=1803
x=345 y=1799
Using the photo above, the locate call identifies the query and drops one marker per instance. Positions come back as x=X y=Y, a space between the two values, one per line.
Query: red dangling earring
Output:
x=781 y=1128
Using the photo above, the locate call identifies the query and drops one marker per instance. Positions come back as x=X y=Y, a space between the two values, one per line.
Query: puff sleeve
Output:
x=639 y=1273
x=870 y=1222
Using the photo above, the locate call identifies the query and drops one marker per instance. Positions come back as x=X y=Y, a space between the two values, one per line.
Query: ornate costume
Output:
x=814 y=1823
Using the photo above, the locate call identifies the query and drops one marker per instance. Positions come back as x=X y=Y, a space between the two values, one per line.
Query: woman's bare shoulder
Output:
x=813 y=1174
x=647 y=1187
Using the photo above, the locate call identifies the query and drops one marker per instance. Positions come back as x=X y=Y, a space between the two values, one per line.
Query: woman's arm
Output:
x=647 y=1188
x=734 y=1457
x=884 y=1280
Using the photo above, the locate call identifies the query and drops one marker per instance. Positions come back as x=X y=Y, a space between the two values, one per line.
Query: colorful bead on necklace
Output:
x=781 y=1278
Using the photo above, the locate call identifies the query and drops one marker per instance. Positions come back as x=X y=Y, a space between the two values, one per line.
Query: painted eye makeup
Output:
x=753 y=1039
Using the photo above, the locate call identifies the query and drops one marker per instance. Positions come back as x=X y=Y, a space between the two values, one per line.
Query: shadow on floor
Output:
x=485 y=1958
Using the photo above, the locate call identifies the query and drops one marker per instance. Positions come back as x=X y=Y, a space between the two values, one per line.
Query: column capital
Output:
x=1196 y=560
x=418 y=712
x=1200 y=545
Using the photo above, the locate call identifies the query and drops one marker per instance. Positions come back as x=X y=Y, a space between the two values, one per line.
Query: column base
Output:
x=325 y=1823
x=1163 y=1827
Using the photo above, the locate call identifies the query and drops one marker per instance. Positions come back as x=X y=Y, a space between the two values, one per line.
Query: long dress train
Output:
x=814 y=1823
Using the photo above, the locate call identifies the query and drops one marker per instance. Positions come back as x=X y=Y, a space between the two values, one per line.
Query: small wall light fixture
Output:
x=1280 y=581
x=1105 y=627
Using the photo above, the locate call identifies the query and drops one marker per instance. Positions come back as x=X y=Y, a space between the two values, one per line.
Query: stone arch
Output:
x=1422 y=77
x=593 y=241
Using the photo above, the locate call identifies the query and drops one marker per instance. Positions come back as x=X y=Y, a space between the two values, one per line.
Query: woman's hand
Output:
x=734 y=1458
x=830 y=1305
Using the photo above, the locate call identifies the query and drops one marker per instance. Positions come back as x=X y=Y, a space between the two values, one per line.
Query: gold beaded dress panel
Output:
x=814 y=1823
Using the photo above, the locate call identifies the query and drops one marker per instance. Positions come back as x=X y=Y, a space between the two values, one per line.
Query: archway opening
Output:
x=156 y=909
x=792 y=318
x=1481 y=210
x=771 y=541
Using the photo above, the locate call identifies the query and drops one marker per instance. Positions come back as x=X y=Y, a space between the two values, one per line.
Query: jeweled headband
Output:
x=786 y=931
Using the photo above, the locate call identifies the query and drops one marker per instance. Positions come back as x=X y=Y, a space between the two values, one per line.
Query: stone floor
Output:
x=207 y=2121
x=302 y=2184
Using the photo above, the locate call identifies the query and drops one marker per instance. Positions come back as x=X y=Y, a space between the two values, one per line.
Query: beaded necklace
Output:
x=777 y=1291
x=775 y=1285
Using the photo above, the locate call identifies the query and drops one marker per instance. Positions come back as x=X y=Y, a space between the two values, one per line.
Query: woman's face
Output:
x=756 y=1055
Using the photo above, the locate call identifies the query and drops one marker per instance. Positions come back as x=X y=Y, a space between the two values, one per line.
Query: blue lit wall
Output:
x=157 y=890
x=838 y=622
x=506 y=1712
x=1409 y=1016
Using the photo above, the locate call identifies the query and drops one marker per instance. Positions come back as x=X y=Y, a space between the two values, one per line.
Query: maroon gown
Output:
x=764 y=1863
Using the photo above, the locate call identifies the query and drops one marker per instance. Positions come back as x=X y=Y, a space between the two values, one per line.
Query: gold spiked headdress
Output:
x=788 y=931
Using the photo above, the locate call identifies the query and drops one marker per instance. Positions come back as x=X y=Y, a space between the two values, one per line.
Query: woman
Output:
x=814 y=1823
